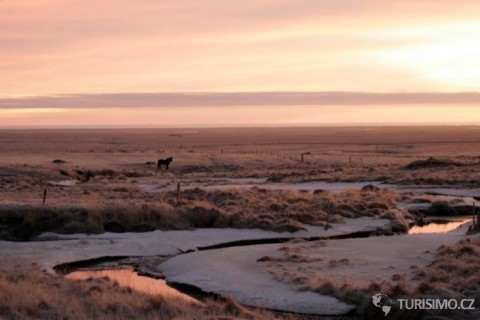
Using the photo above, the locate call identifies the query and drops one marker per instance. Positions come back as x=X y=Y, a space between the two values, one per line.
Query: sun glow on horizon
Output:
x=103 y=46
x=445 y=53
x=240 y=116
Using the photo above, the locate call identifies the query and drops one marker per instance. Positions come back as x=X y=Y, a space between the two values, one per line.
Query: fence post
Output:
x=328 y=214
x=178 y=191
x=474 y=224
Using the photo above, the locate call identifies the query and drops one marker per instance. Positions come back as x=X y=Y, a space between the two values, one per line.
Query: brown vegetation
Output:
x=34 y=294
x=25 y=222
x=286 y=210
x=453 y=274
x=431 y=163
x=275 y=210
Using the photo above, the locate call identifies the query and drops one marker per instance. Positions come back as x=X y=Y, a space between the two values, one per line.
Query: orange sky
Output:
x=60 y=47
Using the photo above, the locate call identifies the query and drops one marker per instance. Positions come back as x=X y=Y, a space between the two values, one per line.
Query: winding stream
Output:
x=128 y=277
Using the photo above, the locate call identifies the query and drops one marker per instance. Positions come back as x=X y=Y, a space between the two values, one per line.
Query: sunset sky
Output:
x=193 y=63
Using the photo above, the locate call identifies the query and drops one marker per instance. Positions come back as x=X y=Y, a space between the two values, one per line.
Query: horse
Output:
x=164 y=162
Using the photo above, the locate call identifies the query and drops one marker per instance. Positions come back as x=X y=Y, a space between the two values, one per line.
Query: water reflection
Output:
x=129 y=278
x=437 y=227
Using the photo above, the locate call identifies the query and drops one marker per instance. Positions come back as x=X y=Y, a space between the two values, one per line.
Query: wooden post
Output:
x=477 y=216
x=178 y=191
x=328 y=214
x=44 y=195
x=474 y=224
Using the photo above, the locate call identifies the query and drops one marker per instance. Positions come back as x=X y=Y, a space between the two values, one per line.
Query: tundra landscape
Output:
x=221 y=160
x=252 y=223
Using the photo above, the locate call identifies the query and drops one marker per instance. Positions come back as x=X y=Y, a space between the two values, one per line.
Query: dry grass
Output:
x=24 y=222
x=111 y=164
x=275 y=210
x=431 y=163
x=453 y=274
x=33 y=294
x=287 y=210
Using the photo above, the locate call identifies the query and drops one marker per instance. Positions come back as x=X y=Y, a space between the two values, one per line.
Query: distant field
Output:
x=101 y=180
x=98 y=140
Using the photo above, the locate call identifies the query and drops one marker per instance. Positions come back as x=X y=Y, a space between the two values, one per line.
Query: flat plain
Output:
x=84 y=183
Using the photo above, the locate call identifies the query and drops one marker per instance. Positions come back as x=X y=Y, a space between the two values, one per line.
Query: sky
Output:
x=159 y=63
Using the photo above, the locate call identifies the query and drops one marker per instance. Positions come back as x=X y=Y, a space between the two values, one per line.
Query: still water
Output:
x=437 y=227
x=129 y=278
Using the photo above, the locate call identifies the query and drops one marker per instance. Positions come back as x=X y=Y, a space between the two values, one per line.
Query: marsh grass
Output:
x=22 y=222
x=288 y=210
x=274 y=210
x=454 y=271
x=431 y=162
x=29 y=293
x=452 y=274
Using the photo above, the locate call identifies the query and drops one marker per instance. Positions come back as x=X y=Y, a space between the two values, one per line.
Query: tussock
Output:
x=287 y=210
x=84 y=175
x=22 y=222
x=274 y=210
x=399 y=223
x=441 y=208
x=431 y=163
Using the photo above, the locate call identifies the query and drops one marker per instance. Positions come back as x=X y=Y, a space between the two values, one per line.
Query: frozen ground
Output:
x=236 y=272
x=268 y=292
x=69 y=248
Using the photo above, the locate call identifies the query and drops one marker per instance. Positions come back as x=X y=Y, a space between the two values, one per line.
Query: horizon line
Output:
x=259 y=126
x=238 y=99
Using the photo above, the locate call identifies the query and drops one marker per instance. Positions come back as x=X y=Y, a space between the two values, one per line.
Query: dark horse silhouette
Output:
x=164 y=162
